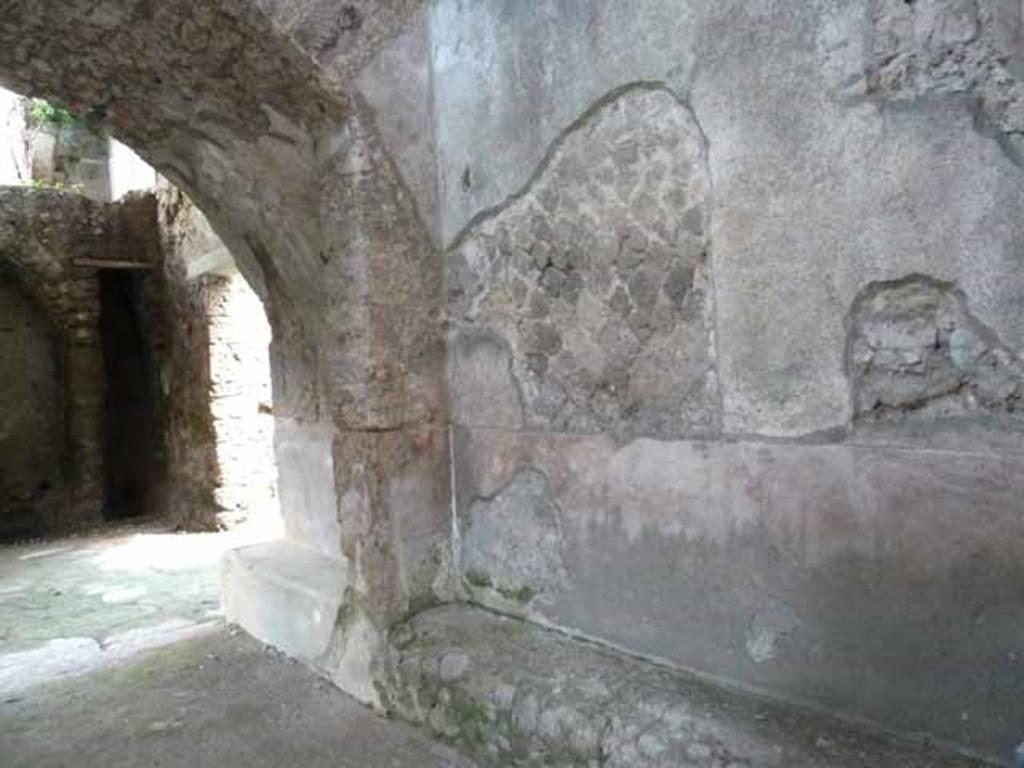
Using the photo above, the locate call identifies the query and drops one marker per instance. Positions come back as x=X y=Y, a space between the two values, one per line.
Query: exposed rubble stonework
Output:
x=179 y=326
x=916 y=349
x=240 y=398
x=756 y=533
x=595 y=282
x=53 y=248
x=514 y=694
x=293 y=176
x=972 y=47
x=43 y=237
x=31 y=415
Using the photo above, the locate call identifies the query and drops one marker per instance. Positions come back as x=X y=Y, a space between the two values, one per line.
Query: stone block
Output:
x=285 y=595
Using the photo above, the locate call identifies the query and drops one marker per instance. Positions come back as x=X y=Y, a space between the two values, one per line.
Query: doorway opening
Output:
x=139 y=403
x=241 y=401
x=132 y=464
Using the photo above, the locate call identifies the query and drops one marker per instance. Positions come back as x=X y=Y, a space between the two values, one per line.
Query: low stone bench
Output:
x=511 y=693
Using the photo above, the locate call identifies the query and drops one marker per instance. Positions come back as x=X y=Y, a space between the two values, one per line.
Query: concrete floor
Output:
x=217 y=699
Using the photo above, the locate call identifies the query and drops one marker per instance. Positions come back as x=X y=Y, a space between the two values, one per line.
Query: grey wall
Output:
x=734 y=292
x=731 y=295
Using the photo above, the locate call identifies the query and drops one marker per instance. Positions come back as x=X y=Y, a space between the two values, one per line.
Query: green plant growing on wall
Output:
x=57 y=185
x=40 y=112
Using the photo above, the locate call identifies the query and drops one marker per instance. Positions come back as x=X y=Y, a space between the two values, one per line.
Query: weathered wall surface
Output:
x=174 y=308
x=31 y=415
x=239 y=106
x=241 y=398
x=734 y=295
x=72 y=157
x=731 y=294
x=52 y=246
x=41 y=236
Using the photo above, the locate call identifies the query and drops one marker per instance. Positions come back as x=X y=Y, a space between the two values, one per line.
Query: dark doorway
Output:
x=132 y=474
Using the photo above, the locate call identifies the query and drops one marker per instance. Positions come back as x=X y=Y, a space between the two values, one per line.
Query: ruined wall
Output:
x=735 y=339
x=52 y=246
x=72 y=157
x=32 y=435
x=250 y=109
x=173 y=309
x=41 y=235
x=241 y=400
x=674 y=242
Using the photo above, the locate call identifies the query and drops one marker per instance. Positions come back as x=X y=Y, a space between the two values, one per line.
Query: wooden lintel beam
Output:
x=112 y=264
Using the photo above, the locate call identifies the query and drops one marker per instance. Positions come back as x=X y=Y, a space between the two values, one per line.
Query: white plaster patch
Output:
x=769 y=629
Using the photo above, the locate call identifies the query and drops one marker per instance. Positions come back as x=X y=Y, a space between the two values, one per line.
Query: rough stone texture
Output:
x=513 y=694
x=180 y=333
x=43 y=238
x=595 y=280
x=850 y=148
x=915 y=347
x=31 y=415
x=341 y=38
x=870 y=580
x=41 y=235
x=818 y=189
x=511 y=75
x=72 y=157
x=954 y=46
x=295 y=178
x=241 y=400
x=833 y=147
x=787 y=276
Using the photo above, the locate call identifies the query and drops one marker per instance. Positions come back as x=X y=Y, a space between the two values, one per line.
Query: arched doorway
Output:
x=289 y=166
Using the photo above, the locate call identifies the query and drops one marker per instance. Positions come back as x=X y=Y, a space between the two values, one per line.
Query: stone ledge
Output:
x=286 y=596
x=512 y=693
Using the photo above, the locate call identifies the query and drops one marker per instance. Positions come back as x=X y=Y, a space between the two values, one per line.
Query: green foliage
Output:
x=56 y=184
x=41 y=112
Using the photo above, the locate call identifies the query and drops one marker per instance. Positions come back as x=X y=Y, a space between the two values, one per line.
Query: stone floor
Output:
x=217 y=699
x=72 y=605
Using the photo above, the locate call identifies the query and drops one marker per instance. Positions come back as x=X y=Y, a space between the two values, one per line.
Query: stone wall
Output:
x=52 y=248
x=705 y=313
x=735 y=351
x=241 y=399
x=174 y=309
x=72 y=157
x=41 y=235
x=32 y=441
